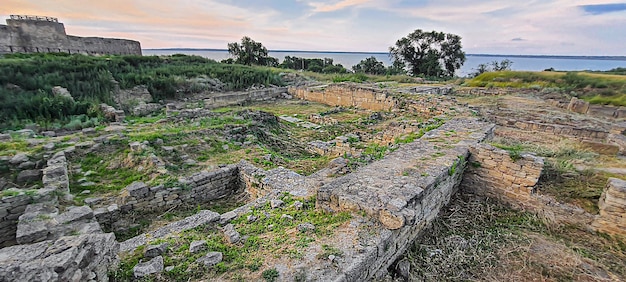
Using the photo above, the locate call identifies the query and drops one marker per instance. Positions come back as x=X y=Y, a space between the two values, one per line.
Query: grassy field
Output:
x=597 y=88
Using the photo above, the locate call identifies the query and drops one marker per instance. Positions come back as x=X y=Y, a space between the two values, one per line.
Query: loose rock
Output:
x=197 y=246
x=210 y=259
x=143 y=269
x=153 y=251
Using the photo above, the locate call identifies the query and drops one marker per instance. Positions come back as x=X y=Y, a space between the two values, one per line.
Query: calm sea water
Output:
x=350 y=59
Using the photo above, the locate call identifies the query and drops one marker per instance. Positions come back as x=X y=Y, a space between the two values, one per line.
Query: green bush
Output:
x=26 y=81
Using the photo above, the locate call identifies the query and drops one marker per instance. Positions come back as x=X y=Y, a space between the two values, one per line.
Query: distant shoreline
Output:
x=612 y=58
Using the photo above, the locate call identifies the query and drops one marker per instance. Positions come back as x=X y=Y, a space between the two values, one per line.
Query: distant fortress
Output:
x=35 y=34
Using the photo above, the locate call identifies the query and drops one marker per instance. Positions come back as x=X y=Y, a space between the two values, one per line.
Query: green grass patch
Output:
x=271 y=234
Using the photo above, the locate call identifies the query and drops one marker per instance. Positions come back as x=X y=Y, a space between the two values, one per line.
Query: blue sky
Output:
x=551 y=27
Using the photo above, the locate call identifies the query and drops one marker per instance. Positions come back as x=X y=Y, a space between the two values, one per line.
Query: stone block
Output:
x=210 y=259
x=231 y=235
x=137 y=189
x=197 y=246
x=144 y=269
x=28 y=176
x=153 y=251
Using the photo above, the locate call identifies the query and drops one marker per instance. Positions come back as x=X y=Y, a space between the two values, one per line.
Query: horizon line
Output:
x=620 y=57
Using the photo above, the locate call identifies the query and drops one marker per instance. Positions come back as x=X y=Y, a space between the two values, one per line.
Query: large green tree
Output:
x=250 y=52
x=431 y=54
x=370 y=66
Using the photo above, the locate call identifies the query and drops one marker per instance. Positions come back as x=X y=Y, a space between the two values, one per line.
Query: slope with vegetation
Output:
x=26 y=82
x=597 y=88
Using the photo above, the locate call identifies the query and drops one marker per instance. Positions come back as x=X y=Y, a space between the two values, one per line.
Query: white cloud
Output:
x=546 y=26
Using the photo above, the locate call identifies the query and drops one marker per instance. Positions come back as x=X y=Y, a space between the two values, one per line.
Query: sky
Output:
x=531 y=27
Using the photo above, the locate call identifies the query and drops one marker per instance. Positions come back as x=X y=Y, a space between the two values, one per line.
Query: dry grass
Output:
x=476 y=239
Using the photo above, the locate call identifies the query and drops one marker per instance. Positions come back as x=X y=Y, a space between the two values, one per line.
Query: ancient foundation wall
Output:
x=55 y=183
x=347 y=95
x=493 y=173
x=11 y=208
x=199 y=188
x=612 y=217
x=404 y=192
x=555 y=129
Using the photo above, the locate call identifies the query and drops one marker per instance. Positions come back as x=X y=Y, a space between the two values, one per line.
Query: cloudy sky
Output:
x=552 y=27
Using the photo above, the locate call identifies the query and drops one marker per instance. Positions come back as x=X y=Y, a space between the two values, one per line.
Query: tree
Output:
x=431 y=54
x=370 y=66
x=503 y=65
x=250 y=52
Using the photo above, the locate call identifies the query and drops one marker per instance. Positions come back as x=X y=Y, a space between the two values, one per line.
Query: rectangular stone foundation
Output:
x=403 y=193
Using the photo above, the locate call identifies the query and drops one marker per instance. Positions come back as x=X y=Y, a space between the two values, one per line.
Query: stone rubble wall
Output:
x=347 y=95
x=11 y=208
x=556 y=129
x=612 y=217
x=606 y=111
x=493 y=173
x=56 y=182
x=197 y=189
x=404 y=192
x=323 y=120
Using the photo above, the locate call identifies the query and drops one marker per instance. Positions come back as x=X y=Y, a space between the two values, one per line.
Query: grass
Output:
x=597 y=88
x=270 y=236
x=501 y=244
x=560 y=177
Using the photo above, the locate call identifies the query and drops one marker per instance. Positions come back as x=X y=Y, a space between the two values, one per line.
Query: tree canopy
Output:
x=325 y=65
x=250 y=52
x=370 y=66
x=430 y=54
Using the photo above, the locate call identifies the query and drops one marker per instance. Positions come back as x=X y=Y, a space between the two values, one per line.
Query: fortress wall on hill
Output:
x=44 y=36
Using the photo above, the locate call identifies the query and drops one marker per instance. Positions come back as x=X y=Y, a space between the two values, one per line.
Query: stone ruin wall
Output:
x=56 y=182
x=612 y=204
x=28 y=34
x=404 y=192
x=200 y=188
x=493 y=173
x=347 y=95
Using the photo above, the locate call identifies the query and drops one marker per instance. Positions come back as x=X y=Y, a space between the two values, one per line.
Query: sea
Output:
x=349 y=59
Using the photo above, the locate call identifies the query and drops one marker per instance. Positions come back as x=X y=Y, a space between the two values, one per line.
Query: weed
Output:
x=270 y=275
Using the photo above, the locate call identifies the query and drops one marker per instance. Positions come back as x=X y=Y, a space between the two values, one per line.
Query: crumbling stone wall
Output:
x=606 y=111
x=612 y=217
x=347 y=95
x=11 y=208
x=56 y=182
x=199 y=188
x=403 y=192
x=493 y=173
x=556 y=129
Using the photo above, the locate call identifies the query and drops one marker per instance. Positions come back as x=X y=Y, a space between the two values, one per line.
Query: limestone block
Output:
x=153 y=251
x=391 y=221
x=74 y=214
x=612 y=205
x=144 y=269
x=210 y=259
x=28 y=176
x=18 y=159
x=197 y=246
x=231 y=235
x=137 y=189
